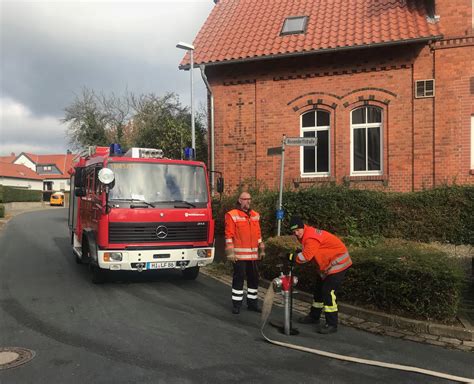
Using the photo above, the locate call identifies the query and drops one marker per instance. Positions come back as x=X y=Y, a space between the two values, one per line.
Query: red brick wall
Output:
x=422 y=127
x=256 y=103
x=455 y=17
x=454 y=105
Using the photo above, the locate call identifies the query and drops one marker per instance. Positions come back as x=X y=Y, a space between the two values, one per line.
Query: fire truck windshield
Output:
x=155 y=183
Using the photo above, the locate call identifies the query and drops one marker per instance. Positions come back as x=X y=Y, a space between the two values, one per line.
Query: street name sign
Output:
x=302 y=141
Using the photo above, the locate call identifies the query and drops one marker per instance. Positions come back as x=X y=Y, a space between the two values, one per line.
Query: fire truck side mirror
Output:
x=220 y=184
x=79 y=191
x=79 y=177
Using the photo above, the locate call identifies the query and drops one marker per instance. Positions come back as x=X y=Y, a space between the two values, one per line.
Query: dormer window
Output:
x=294 y=25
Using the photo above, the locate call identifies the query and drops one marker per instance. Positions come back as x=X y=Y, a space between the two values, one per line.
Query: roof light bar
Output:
x=144 y=153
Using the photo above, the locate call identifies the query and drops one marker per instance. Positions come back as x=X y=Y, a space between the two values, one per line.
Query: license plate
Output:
x=160 y=265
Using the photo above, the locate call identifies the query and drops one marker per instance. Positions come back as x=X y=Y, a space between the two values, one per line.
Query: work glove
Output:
x=261 y=251
x=230 y=254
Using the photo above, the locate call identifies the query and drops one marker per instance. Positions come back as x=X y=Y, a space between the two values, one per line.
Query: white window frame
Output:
x=424 y=95
x=472 y=142
x=315 y=129
x=366 y=126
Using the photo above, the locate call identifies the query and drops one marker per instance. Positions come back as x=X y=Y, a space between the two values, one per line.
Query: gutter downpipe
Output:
x=208 y=86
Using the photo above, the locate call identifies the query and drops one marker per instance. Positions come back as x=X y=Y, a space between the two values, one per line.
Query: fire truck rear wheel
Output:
x=191 y=273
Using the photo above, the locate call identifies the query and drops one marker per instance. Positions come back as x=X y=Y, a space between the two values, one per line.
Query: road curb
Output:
x=378 y=322
x=417 y=326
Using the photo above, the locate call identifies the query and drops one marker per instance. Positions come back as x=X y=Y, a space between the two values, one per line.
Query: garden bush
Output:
x=10 y=194
x=397 y=277
x=443 y=214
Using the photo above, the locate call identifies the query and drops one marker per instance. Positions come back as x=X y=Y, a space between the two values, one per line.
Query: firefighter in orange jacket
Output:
x=332 y=260
x=244 y=247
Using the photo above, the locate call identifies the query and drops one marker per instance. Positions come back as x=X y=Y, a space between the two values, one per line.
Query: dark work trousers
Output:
x=242 y=267
x=325 y=298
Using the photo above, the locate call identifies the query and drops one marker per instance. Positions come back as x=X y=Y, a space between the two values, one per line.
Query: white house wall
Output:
x=36 y=185
x=23 y=160
x=59 y=184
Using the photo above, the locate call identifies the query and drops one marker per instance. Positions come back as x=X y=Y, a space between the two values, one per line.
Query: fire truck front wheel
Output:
x=77 y=258
x=191 y=273
x=98 y=274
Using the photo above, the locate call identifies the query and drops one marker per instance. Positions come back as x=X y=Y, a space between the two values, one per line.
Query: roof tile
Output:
x=18 y=171
x=244 y=29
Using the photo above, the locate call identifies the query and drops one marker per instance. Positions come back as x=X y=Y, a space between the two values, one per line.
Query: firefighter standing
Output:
x=244 y=247
x=332 y=259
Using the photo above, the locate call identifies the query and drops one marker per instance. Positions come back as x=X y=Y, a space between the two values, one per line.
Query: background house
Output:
x=52 y=170
x=387 y=86
x=19 y=176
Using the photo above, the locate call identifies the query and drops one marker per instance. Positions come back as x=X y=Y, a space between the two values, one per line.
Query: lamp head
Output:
x=185 y=46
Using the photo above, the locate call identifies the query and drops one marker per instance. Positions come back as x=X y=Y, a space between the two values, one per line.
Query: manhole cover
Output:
x=11 y=357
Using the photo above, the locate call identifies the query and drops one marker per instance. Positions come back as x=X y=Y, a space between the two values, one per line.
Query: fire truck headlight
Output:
x=112 y=256
x=204 y=253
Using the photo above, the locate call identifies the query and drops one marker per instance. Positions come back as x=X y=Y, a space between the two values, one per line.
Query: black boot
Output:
x=235 y=310
x=327 y=329
x=254 y=308
x=308 y=319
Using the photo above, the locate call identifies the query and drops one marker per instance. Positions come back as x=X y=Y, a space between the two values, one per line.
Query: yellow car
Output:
x=57 y=198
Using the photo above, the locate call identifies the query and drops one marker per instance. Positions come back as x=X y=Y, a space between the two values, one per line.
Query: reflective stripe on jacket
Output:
x=326 y=249
x=242 y=233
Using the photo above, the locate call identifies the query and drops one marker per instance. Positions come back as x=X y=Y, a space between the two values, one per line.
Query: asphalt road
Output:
x=161 y=329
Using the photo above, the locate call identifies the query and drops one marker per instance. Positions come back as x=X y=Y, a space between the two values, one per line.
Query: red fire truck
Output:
x=139 y=211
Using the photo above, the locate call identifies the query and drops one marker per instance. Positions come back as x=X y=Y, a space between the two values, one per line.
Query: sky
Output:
x=51 y=50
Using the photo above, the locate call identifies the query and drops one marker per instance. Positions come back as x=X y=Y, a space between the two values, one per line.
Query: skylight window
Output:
x=294 y=25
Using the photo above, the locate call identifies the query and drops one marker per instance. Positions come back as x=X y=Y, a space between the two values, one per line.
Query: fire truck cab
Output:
x=139 y=211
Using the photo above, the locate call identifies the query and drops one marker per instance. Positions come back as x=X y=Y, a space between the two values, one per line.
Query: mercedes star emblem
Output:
x=161 y=232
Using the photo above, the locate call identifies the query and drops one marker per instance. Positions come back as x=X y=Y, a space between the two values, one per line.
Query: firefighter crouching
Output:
x=244 y=247
x=332 y=259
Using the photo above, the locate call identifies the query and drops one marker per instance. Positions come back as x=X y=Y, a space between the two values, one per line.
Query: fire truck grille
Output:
x=157 y=232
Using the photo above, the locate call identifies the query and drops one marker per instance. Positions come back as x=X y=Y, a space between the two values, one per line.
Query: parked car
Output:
x=57 y=198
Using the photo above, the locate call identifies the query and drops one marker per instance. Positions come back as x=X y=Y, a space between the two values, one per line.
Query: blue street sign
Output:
x=189 y=153
x=280 y=214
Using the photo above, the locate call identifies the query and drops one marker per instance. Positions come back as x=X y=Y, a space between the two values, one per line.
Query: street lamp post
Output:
x=190 y=48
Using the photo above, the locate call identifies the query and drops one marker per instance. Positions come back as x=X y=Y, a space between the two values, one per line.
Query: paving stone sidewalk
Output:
x=376 y=322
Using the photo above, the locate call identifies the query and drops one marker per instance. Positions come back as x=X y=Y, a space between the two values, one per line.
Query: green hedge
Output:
x=396 y=277
x=10 y=194
x=442 y=214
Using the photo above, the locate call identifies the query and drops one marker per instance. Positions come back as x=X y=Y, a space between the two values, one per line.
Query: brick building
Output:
x=387 y=86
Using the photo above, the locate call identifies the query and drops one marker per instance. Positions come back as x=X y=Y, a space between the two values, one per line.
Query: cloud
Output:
x=52 y=49
x=21 y=131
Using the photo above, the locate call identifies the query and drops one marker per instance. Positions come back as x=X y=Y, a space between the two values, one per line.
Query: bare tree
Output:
x=87 y=121
x=146 y=120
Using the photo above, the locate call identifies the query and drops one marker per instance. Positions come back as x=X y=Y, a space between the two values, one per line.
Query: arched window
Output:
x=314 y=161
x=366 y=141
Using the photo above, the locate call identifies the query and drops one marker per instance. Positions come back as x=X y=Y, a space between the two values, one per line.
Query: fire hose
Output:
x=267 y=308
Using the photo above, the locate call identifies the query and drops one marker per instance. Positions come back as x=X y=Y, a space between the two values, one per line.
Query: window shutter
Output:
x=424 y=88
